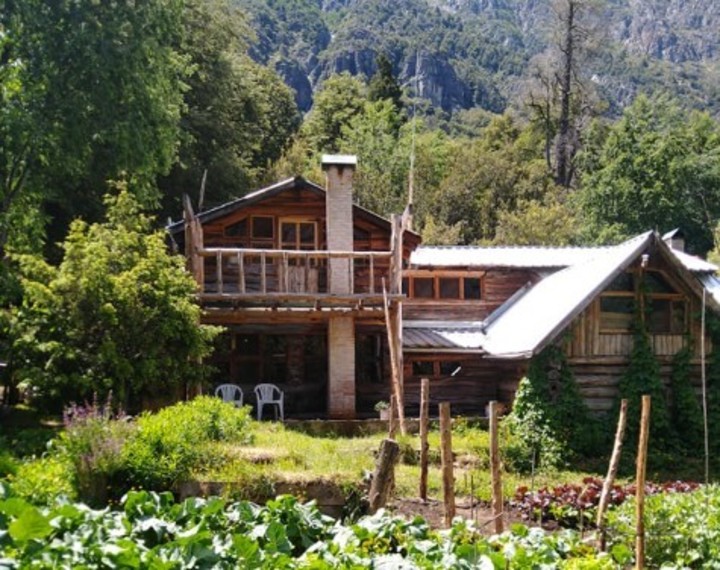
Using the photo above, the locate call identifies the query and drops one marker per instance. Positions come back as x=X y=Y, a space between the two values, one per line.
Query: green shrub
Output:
x=171 y=444
x=41 y=481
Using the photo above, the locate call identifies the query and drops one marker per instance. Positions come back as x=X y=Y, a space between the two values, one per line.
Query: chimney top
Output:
x=329 y=160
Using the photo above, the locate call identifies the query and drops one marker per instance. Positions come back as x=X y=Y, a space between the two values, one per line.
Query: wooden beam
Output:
x=394 y=361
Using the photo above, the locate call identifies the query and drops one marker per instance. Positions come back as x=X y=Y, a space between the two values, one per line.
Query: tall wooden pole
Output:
x=394 y=360
x=497 y=494
x=612 y=471
x=424 y=445
x=640 y=484
x=447 y=463
x=392 y=419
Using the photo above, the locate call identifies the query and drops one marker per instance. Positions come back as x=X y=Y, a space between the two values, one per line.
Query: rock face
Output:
x=477 y=52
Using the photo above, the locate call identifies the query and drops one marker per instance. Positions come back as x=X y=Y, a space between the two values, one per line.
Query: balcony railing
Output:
x=232 y=272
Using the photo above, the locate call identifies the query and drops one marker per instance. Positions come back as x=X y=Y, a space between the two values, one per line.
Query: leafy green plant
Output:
x=682 y=529
x=41 y=481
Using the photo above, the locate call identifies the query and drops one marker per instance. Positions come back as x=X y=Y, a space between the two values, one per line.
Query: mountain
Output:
x=480 y=53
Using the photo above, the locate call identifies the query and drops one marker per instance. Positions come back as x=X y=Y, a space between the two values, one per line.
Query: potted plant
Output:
x=383 y=408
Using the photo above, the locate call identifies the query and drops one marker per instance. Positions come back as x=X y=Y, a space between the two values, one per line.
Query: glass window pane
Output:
x=616 y=313
x=660 y=316
x=406 y=286
x=472 y=288
x=422 y=368
x=623 y=282
x=307 y=234
x=288 y=233
x=262 y=227
x=656 y=283
x=450 y=368
x=424 y=287
x=449 y=287
x=238 y=229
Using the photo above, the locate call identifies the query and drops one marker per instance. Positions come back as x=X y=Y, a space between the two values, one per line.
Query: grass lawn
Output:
x=280 y=454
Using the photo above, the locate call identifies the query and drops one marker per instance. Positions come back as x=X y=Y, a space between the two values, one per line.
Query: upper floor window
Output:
x=444 y=287
x=665 y=310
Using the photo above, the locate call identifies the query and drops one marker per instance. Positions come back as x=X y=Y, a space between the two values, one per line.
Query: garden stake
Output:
x=447 y=463
x=612 y=472
x=640 y=484
x=424 y=445
x=384 y=475
x=497 y=498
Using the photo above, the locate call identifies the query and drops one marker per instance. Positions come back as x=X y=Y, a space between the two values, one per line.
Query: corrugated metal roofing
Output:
x=526 y=257
x=466 y=337
x=538 y=316
x=477 y=256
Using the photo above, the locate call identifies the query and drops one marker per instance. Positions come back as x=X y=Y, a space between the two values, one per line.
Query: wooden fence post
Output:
x=612 y=472
x=447 y=463
x=424 y=446
x=640 y=484
x=497 y=494
x=384 y=475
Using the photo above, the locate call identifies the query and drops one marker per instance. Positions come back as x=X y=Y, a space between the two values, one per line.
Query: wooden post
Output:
x=424 y=445
x=447 y=463
x=497 y=494
x=612 y=471
x=241 y=271
x=219 y=272
x=384 y=475
x=263 y=273
x=394 y=360
x=640 y=484
x=392 y=419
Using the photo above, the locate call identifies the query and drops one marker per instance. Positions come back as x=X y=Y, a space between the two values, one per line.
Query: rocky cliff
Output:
x=463 y=53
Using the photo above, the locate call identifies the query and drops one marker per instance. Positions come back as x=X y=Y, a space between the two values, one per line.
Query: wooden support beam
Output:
x=241 y=271
x=219 y=272
x=394 y=362
x=263 y=274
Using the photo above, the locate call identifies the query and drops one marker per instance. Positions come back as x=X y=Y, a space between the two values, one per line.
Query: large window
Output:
x=444 y=287
x=436 y=368
x=666 y=308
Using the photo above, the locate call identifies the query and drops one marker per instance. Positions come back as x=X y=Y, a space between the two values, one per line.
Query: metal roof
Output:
x=531 y=257
x=544 y=311
x=465 y=337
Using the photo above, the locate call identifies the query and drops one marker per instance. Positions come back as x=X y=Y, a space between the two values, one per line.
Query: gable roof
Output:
x=534 y=317
x=257 y=196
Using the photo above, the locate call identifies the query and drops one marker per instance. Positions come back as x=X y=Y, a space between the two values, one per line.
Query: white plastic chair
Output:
x=269 y=394
x=230 y=393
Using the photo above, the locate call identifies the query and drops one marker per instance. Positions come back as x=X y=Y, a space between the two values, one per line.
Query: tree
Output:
x=94 y=94
x=117 y=315
x=238 y=115
x=341 y=98
x=560 y=97
x=656 y=168
x=383 y=84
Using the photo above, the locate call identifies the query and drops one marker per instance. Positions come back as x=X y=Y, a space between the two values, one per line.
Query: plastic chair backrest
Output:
x=229 y=392
x=266 y=392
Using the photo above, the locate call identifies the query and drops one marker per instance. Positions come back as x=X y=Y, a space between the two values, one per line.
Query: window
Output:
x=445 y=287
x=238 y=229
x=616 y=313
x=298 y=234
x=263 y=232
x=437 y=369
x=423 y=288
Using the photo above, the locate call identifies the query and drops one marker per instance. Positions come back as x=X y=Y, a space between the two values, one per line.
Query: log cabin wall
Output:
x=496 y=287
x=600 y=339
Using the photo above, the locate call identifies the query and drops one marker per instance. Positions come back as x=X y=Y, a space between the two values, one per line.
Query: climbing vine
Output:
x=685 y=412
x=550 y=420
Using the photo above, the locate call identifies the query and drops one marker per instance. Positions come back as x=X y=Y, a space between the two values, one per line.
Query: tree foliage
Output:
x=117 y=314
x=657 y=168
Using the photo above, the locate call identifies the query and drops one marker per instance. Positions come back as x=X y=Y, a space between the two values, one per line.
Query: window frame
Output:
x=437 y=277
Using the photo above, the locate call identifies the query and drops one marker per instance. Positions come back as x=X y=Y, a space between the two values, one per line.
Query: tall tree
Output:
x=238 y=115
x=383 y=84
x=95 y=94
x=560 y=94
x=340 y=98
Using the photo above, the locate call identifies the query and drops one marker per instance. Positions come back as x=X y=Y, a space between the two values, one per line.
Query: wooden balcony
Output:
x=292 y=276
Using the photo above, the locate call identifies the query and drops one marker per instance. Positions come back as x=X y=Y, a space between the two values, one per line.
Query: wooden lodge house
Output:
x=330 y=301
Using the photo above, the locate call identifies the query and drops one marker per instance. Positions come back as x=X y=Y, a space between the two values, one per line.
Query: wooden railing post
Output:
x=218 y=272
x=241 y=271
x=263 y=273
x=372 y=275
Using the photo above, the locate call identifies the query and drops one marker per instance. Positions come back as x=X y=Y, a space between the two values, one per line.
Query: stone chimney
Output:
x=675 y=239
x=339 y=170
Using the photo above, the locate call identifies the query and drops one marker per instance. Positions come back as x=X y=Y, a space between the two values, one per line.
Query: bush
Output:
x=169 y=445
x=41 y=481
